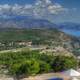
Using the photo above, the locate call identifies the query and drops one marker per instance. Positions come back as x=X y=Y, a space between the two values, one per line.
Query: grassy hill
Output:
x=50 y=37
x=32 y=34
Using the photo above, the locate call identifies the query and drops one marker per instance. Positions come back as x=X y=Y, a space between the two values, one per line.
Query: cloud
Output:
x=40 y=8
x=54 y=9
x=46 y=7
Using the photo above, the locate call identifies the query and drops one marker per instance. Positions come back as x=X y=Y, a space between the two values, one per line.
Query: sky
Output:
x=53 y=10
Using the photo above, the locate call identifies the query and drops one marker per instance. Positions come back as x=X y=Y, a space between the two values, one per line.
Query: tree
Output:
x=70 y=62
x=57 y=64
x=29 y=67
x=63 y=63
x=44 y=67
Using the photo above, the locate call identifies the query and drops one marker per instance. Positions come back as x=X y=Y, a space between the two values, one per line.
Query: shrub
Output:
x=14 y=69
x=63 y=63
x=29 y=67
x=70 y=62
x=44 y=67
x=32 y=62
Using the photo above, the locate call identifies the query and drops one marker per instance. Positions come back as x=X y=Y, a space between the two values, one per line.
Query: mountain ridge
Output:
x=29 y=22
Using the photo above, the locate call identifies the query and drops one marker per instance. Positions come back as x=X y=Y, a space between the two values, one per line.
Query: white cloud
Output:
x=46 y=7
x=48 y=1
x=39 y=9
x=5 y=6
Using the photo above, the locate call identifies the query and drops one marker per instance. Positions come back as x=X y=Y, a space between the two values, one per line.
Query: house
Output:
x=24 y=43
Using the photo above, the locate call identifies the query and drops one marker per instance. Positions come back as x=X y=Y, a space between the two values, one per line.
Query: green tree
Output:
x=29 y=67
x=70 y=62
x=63 y=63
x=44 y=67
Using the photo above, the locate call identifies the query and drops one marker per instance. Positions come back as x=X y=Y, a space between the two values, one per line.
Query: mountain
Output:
x=49 y=37
x=39 y=31
x=28 y=22
x=25 y=22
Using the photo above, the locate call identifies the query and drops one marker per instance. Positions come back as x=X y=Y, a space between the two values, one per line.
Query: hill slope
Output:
x=50 y=37
x=33 y=34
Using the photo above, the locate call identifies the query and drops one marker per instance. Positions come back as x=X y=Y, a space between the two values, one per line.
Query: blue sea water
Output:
x=72 y=32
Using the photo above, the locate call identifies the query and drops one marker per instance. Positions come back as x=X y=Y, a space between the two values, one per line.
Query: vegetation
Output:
x=9 y=37
x=61 y=63
x=26 y=63
x=31 y=62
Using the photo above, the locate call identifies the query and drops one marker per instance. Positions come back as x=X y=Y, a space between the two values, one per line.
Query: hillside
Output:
x=27 y=22
x=46 y=35
x=56 y=47
x=10 y=37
